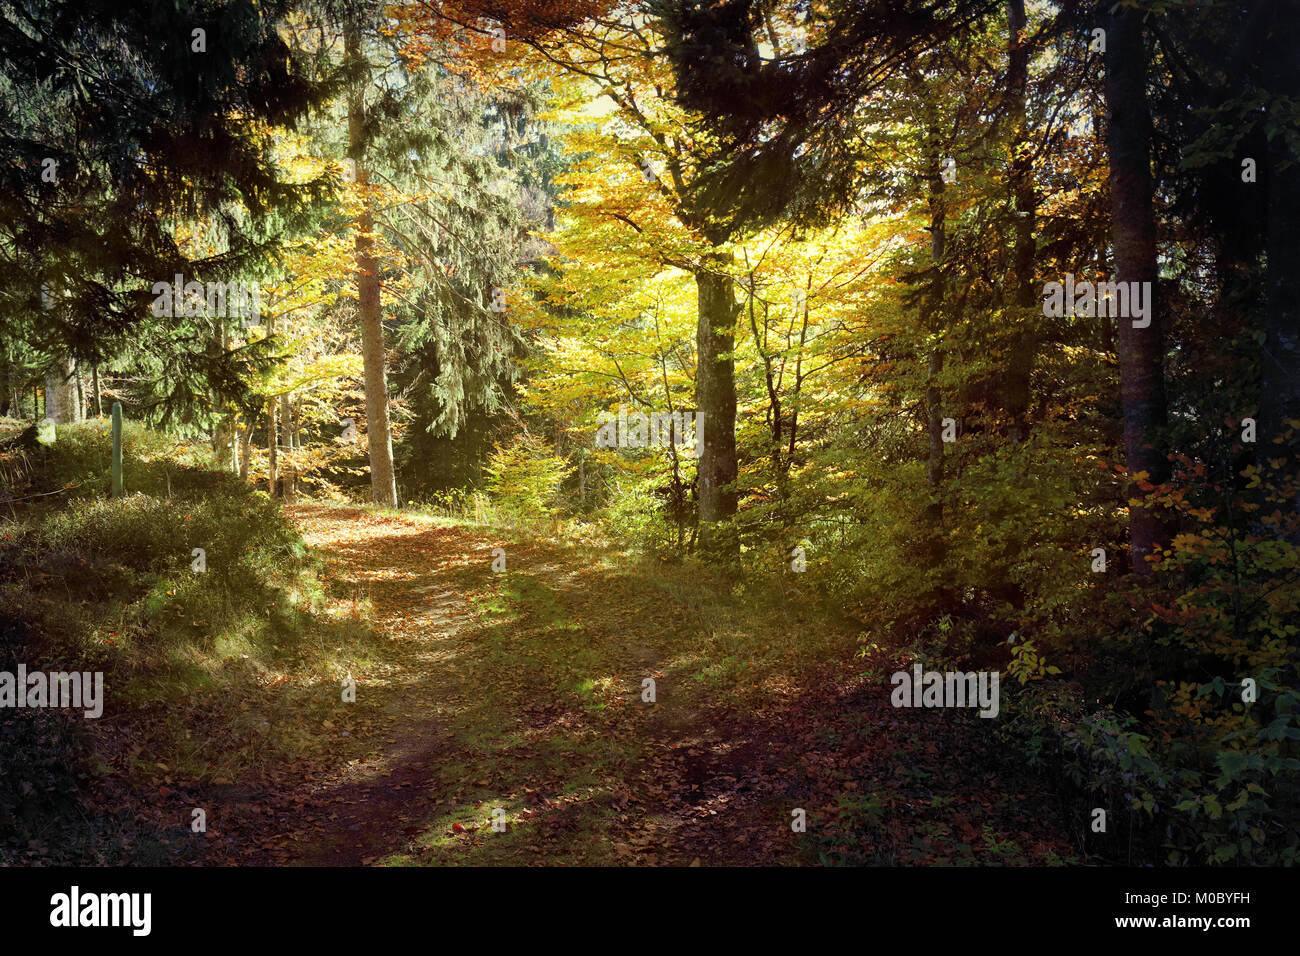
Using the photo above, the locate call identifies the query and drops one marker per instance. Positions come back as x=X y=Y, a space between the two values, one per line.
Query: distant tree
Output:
x=122 y=122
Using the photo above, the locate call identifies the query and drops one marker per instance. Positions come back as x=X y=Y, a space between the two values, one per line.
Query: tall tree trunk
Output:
x=773 y=396
x=296 y=415
x=61 y=392
x=81 y=392
x=99 y=403
x=1133 y=230
x=288 y=479
x=930 y=310
x=246 y=451
x=272 y=447
x=1024 y=341
x=272 y=430
x=934 y=428
x=225 y=440
x=715 y=393
x=383 y=478
x=223 y=437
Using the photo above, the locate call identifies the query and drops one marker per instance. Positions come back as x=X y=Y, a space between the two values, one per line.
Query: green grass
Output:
x=213 y=674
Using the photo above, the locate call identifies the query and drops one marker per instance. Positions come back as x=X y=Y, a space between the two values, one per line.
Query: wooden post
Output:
x=117 y=449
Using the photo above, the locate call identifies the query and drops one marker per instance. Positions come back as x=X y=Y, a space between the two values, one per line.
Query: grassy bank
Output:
x=201 y=607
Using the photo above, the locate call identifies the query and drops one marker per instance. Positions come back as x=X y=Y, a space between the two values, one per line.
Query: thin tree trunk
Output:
x=288 y=485
x=296 y=415
x=715 y=391
x=773 y=397
x=221 y=436
x=1133 y=227
x=1024 y=344
x=246 y=451
x=931 y=307
x=933 y=403
x=99 y=403
x=272 y=430
x=383 y=478
x=272 y=447
x=796 y=394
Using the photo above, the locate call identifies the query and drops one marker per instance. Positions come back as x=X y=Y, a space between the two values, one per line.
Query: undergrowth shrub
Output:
x=524 y=479
x=1126 y=691
x=1197 y=748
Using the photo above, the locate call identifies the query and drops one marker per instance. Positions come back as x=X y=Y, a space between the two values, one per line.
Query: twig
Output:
x=42 y=494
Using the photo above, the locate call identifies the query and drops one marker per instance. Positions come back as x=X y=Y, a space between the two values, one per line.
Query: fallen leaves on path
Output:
x=501 y=720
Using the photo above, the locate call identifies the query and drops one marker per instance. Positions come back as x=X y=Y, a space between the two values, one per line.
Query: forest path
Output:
x=516 y=696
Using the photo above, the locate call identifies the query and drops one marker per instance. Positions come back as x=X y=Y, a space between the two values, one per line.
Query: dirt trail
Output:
x=503 y=721
x=450 y=734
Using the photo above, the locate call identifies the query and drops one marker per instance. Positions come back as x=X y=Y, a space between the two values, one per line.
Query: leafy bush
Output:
x=524 y=479
x=1199 y=755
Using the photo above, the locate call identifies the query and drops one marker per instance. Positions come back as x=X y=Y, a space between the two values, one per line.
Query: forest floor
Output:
x=516 y=696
